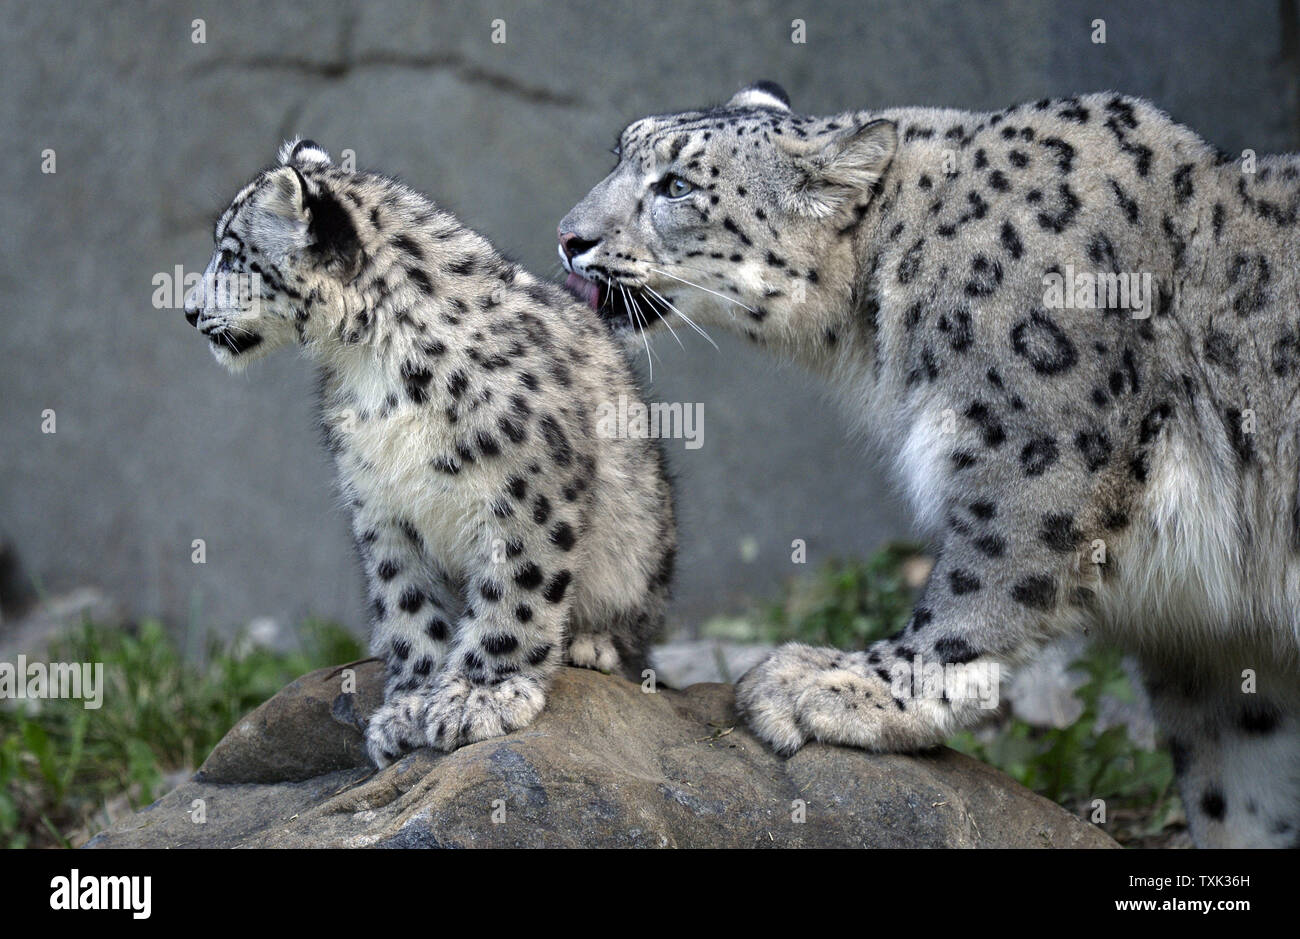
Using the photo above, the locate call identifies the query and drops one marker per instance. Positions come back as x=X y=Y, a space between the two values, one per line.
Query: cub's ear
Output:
x=763 y=94
x=334 y=239
x=838 y=168
x=286 y=194
x=312 y=219
x=303 y=153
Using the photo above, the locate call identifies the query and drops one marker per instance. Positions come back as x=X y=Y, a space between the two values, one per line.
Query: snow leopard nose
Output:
x=572 y=245
x=194 y=304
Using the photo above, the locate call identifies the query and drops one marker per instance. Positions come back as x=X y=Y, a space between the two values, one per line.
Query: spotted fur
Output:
x=499 y=532
x=1130 y=471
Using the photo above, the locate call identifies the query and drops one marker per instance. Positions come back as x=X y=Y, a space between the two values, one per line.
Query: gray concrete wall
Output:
x=156 y=446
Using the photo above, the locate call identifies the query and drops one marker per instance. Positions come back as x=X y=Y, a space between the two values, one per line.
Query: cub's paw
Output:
x=592 y=650
x=800 y=693
x=396 y=728
x=462 y=712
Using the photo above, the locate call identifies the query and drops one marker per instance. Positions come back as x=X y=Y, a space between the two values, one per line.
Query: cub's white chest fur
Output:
x=385 y=463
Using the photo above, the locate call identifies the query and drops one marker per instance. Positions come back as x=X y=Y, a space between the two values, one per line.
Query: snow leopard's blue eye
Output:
x=674 y=187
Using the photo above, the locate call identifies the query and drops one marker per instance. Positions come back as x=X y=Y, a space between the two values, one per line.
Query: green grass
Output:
x=850 y=604
x=845 y=604
x=60 y=763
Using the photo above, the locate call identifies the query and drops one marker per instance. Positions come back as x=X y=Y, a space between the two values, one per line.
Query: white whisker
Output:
x=705 y=289
x=646 y=318
x=689 y=322
x=649 y=361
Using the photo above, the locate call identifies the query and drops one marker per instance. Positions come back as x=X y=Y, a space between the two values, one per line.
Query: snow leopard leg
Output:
x=618 y=643
x=413 y=605
x=616 y=639
x=1006 y=581
x=619 y=611
x=1236 y=751
x=942 y=673
x=510 y=637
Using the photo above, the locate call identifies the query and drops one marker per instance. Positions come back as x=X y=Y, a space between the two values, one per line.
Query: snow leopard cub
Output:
x=1126 y=468
x=500 y=535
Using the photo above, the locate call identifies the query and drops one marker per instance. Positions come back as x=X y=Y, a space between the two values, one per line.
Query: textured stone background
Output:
x=156 y=446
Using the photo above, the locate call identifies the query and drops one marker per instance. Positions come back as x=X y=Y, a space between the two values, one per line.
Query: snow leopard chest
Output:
x=386 y=469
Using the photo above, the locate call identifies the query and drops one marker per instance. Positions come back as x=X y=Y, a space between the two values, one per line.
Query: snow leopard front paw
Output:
x=800 y=693
x=462 y=711
x=396 y=728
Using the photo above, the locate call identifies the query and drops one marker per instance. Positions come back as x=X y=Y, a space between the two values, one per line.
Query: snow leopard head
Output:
x=282 y=245
x=740 y=215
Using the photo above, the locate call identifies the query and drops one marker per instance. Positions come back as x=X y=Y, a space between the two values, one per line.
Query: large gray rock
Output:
x=606 y=765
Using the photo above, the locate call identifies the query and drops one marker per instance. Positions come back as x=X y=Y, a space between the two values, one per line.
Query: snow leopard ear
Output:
x=334 y=239
x=303 y=153
x=289 y=192
x=763 y=94
x=838 y=168
x=286 y=194
x=314 y=220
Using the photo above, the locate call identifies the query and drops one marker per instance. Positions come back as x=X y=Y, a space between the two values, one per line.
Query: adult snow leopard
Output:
x=498 y=530
x=1073 y=326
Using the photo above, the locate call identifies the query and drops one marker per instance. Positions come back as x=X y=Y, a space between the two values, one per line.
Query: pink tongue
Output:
x=585 y=289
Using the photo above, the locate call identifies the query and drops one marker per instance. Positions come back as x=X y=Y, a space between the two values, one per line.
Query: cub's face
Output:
x=733 y=216
x=273 y=258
